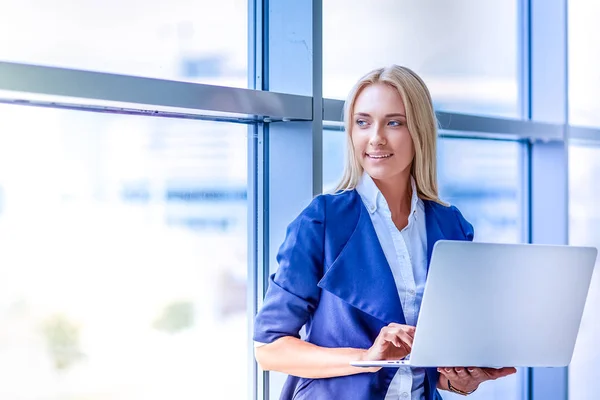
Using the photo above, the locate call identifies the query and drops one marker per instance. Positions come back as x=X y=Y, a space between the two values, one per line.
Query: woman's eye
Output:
x=394 y=123
x=361 y=122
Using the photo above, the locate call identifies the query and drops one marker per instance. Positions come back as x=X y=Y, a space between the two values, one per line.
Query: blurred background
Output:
x=124 y=239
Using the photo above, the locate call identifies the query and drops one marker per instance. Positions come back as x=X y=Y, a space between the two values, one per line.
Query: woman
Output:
x=353 y=265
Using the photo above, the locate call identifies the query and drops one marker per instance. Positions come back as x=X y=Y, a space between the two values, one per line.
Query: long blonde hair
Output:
x=421 y=122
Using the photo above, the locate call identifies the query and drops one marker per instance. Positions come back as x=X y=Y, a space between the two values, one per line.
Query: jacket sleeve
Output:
x=293 y=294
x=465 y=226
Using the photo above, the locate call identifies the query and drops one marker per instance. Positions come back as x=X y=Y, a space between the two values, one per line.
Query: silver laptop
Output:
x=500 y=305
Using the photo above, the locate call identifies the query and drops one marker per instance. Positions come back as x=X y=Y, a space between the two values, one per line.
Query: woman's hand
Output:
x=393 y=343
x=469 y=379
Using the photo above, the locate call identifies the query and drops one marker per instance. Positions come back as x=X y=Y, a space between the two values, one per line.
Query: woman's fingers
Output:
x=494 y=373
x=469 y=378
x=398 y=336
x=392 y=338
x=393 y=342
x=449 y=373
x=405 y=339
x=410 y=330
x=508 y=371
x=462 y=373
x=476 y=373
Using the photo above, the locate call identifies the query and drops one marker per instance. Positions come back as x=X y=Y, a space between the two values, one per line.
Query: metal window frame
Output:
x=149 y=94
x=289 y=168
x=257 y=226
x=549 y=163
x=56 y=87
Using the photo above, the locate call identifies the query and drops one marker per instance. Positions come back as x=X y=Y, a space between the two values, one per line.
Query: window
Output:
x=483 y=179
x=584 y=230
x=124 y=256
x=200 y=41
x=466 y=50
x=584 y=81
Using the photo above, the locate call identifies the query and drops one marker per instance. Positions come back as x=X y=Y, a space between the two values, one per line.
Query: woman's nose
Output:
x=377 y=139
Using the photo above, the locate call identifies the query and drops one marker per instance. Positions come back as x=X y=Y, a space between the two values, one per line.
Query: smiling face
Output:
x=380 y=137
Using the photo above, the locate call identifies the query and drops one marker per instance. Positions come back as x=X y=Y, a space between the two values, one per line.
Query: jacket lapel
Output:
x=361 y=275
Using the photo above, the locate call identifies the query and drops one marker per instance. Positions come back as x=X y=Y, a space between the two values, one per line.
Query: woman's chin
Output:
x=382 y=173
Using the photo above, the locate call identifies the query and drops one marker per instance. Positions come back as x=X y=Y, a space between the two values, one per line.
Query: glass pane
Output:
x=584 y=62
x=584 y=230
x=483 y=179
x=203 y=41
x=123 y=256
x=465 y=50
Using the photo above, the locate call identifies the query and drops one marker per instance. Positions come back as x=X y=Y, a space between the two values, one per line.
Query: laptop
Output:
x=499 y=305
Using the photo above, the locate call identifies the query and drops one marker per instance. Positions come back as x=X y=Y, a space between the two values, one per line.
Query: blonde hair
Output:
x=421 y=122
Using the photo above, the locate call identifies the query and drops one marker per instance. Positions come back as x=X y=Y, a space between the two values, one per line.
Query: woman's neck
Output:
x=397 y=193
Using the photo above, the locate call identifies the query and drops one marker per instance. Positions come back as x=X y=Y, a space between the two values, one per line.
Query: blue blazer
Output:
x=334 y=278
